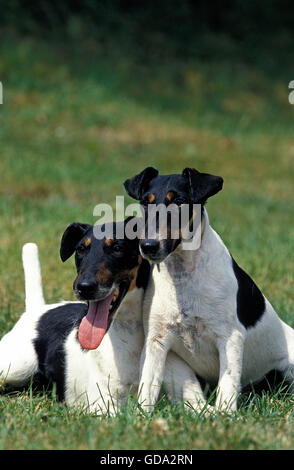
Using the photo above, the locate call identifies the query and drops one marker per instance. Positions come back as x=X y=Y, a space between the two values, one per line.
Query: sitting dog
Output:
x=62 y=341
x=201 y=304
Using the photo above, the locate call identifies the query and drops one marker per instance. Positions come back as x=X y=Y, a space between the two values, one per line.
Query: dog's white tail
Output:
x=33 y=278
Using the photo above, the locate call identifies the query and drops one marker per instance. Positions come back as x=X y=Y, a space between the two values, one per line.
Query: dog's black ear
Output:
x=135 y=186
x=71 y=238
x=202 y=185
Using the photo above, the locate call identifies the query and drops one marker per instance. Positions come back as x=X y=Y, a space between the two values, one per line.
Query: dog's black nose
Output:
x=150 y=247
x=87 y=288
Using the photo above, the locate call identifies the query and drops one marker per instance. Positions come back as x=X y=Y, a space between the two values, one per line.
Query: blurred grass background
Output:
x=96 y=91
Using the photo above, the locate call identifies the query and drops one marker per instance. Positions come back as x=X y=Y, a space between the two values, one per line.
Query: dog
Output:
x=200 y=304
x=93 y=360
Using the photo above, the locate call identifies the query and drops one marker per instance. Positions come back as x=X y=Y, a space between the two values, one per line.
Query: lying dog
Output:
x=201 y=304
x=61 y=341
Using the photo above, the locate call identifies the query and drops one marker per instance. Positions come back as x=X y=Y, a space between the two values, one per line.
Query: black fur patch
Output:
x=53 y=329
x=143 y=274
x=250 y=301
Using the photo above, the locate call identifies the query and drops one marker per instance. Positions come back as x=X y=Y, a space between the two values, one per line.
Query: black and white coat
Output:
x=203 y=306
x=45 y=341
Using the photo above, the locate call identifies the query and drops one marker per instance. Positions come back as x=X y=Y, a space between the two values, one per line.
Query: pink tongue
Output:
x=93 y=326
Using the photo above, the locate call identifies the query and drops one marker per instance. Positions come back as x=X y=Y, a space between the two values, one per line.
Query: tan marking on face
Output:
x=151 y=198
x=170 y=195
x=131 y=274
x=109 y=241
x=103 y=274
x=87 y=241
x=140 y=259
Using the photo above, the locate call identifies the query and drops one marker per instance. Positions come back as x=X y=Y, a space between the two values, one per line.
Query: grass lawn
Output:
x=73 y=126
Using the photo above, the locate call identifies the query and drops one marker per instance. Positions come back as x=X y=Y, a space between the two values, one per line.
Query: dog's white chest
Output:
x=179 y=309
x=190 y=331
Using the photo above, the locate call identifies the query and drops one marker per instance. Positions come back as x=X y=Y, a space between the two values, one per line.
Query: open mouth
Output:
x=99 y=317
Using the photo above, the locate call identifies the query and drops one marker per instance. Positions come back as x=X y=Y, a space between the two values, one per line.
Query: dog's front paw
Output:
x=228 y=406
x=203 y=409
x=145 y=410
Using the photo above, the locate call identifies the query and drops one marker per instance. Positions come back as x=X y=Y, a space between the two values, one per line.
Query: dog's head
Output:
x=176 y=190
x=107 y=268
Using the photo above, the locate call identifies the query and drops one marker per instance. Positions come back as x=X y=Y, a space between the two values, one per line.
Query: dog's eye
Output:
x=81 y=249
x=116 y=248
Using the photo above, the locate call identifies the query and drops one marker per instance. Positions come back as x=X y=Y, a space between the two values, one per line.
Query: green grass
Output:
x=36 y=421
x=73 y=126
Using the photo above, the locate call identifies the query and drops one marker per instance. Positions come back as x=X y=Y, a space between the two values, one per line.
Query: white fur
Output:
x=190 y=308
x=33 y=279
x=102 y=378
x=18 y=359
x=97 y=380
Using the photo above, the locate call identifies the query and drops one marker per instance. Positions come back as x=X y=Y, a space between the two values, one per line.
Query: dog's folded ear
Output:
x=136 y=186
x=71 y=237
x=202 y=185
